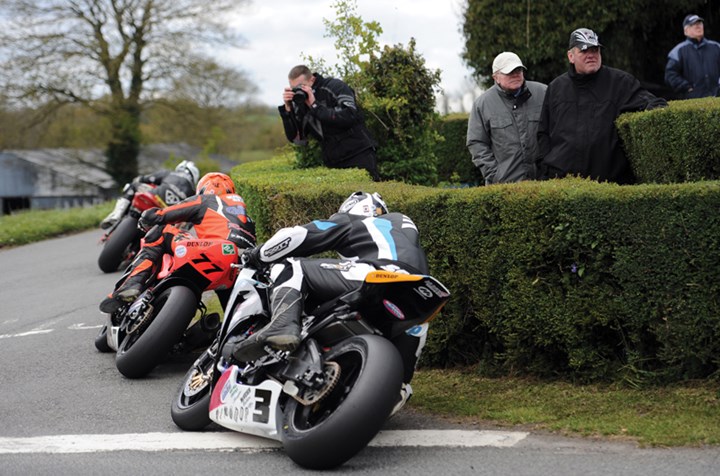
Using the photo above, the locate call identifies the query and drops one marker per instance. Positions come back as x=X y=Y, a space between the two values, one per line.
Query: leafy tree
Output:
x=355 y=41
x=637 y=34
x=113 y=56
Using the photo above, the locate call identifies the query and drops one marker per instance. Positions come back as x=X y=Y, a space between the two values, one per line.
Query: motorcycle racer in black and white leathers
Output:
x=367 y=238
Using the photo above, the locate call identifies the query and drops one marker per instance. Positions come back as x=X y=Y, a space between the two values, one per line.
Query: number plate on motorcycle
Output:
x=245 y=408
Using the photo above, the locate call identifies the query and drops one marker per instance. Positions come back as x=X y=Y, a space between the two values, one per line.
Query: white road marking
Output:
x=236 y=441
x=82 y=326
x=75 y=327
x=448 y=438
x=28 y=333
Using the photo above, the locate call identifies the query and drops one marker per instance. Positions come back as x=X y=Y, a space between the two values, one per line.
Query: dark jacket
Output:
x=577 y=133
x=172 y=187
x=335 y=121
x=694 y=64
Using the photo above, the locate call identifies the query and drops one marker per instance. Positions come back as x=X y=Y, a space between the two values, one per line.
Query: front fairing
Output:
x=207 y=262
x=248 y=298
x=251 y=409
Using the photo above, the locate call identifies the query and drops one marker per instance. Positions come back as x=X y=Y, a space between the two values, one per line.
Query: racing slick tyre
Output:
x=331 y=431
x=121 y=245
x=191 y=407
x=145 y=346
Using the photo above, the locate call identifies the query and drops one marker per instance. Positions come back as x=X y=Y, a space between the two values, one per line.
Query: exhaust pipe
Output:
x=202 y=333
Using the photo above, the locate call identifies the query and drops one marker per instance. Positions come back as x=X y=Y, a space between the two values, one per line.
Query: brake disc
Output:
x=312 y=395
x=141 y=321
x=198 y=380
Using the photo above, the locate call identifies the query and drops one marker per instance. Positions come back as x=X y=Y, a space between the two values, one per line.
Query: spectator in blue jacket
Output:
x=693 y=67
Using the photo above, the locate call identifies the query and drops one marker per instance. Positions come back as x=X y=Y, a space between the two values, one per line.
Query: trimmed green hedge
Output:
x=566 y=277
x=454 y=160
x=680 y=143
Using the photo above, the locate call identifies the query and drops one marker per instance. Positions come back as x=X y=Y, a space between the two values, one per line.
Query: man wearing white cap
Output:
x=502 y=130
x=577 y=133
x=693 y=66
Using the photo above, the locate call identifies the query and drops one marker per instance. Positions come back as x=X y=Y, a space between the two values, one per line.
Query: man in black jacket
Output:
x=577 y=134
x=325 y=109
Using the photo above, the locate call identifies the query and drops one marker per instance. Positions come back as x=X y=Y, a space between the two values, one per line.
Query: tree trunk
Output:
x=124 y=147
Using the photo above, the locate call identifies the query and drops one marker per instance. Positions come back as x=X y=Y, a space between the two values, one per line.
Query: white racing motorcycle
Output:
x=328 y=398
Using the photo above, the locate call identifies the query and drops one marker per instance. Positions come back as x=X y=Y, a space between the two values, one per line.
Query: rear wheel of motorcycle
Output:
x=101 y=342
x=328 y=433
x=122 y=241
x=141 y=351
x=191 y=407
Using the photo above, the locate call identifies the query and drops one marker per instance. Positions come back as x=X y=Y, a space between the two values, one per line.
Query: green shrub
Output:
x=398 y=95
x=680 y=143
x=454 y=160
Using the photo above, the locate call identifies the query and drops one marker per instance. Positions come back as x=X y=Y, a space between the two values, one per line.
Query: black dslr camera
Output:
x=298 y=104
x=299 y=96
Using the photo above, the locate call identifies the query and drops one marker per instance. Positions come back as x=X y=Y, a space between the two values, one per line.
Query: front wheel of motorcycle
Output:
x=122 y=241
x=191 y=407
x=141 y=350
x=328 y=433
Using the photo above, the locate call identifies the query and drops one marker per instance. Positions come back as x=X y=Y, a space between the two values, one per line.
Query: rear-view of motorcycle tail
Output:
x=328 y=398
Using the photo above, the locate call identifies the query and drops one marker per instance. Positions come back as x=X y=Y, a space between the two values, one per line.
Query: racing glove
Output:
x=251 y=258
x=148 y=219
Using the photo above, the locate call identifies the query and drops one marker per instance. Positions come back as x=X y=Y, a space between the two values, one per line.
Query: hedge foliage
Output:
x=454 y=160
x=680 y=143
x=560 y=278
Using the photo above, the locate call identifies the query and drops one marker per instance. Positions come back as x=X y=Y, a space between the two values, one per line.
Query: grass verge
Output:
x=30 y=226
x=677 y=415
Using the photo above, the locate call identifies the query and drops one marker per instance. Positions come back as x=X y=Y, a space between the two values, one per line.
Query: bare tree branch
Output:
x=113 y=56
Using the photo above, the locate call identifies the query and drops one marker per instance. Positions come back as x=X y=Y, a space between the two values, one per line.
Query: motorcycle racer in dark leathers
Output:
x=368 y=238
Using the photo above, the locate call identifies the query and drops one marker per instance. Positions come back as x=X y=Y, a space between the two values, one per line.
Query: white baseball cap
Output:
x=506 y=62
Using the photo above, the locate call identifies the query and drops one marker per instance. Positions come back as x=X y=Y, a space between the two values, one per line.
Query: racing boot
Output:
x=125 y=293
x=283 y=332
x=406 y=392
x=121 y=207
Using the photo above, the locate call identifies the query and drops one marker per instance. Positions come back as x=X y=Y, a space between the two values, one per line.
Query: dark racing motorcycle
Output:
x=159 y=321
x=328 y=398
x=121 y=242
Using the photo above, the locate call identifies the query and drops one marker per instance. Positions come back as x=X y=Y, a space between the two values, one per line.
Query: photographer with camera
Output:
x=325 y=109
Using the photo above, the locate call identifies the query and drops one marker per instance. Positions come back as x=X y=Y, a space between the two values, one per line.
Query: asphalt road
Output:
x=64 y=408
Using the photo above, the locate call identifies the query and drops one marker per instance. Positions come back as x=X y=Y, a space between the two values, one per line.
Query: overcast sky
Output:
x=279 y=31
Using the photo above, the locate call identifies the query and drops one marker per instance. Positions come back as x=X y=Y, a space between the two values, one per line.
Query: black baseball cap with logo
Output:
x=583 y=38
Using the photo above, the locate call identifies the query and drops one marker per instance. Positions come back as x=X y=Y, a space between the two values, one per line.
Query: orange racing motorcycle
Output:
x=160 y=320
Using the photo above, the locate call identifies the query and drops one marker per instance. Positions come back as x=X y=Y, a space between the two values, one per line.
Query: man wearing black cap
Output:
x=577 y=134
x=693 y=67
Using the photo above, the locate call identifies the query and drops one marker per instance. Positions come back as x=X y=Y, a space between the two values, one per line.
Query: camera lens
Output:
x=299 y=96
